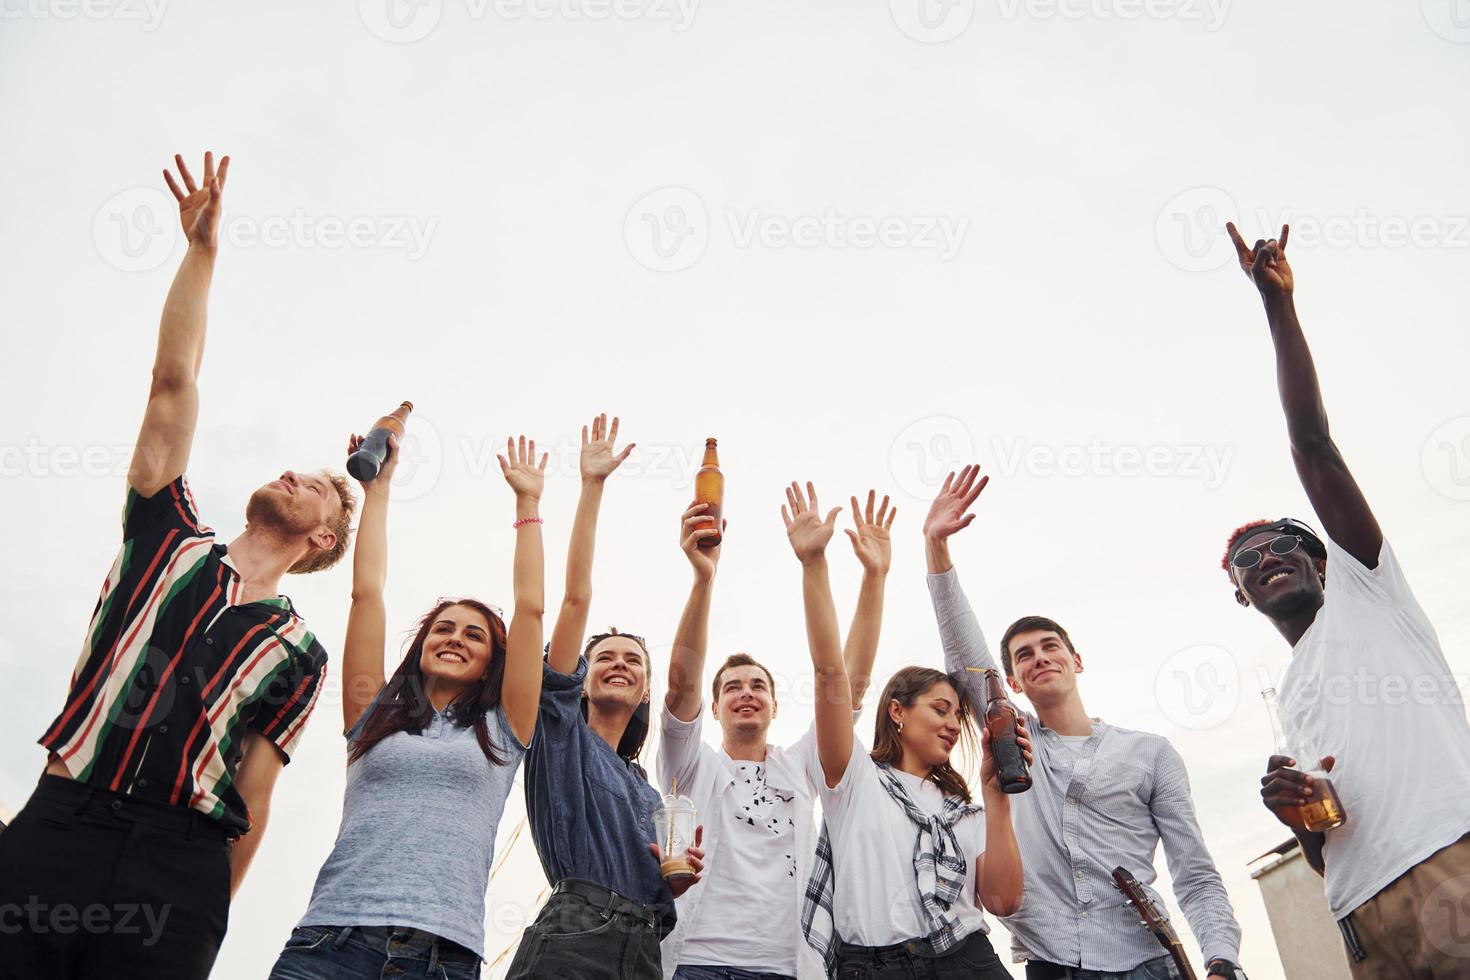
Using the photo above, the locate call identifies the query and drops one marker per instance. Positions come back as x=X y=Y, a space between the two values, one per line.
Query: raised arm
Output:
x=872 y=542
x=1324 y=474
x=959 y=628
x=362 y=651
x=162 y=451
x=521 y=687
x=691 y=638
x=809 y=534
x=597 y=462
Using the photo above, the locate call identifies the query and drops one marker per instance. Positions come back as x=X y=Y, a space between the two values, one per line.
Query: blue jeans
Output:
x=724 y=973
x=371 y=953
x=1159 y=969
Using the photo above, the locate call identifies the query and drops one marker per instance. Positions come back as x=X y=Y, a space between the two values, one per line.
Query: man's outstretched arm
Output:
x=1324 y=474
x=162 y=450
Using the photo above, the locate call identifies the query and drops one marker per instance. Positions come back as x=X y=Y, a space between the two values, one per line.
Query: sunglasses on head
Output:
x=1251 y=557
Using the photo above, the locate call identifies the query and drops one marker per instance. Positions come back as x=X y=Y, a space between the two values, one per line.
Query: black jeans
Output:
x=973 y=957
x=97 y=884
x=590 y=933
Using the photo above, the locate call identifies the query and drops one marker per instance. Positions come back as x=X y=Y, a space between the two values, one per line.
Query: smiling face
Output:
x=1043 y=666
x=617 y=674
x=931 y=725
x=745 y=704
x=457 y=648
x=1279 y=585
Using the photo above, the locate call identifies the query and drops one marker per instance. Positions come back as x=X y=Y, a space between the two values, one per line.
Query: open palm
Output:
x=872 y=539
x=199 y=204
x=598 y=458
x=949 y=512
x=805 y=528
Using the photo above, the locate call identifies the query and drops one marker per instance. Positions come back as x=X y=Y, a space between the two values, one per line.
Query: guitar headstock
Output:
x=1153 y=920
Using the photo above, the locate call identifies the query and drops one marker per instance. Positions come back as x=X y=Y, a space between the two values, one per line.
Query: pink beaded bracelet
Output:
x=528 y=520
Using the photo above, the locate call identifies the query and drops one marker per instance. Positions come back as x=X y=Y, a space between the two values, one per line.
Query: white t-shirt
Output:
x=756 y=885
x=875 y=901
x=1369 y=684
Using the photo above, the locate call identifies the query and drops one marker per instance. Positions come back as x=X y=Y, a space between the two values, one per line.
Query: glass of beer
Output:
x=674 y=822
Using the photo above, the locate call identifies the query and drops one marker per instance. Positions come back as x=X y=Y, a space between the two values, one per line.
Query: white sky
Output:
x=503 y=272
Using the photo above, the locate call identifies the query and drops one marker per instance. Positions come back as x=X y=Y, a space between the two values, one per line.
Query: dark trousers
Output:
x=974 y=957
x=372 y=952
x=590 y=933
x=96 y=884
x=724 y=973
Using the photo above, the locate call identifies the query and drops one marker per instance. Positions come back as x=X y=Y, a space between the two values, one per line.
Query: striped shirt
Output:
x=174 y=670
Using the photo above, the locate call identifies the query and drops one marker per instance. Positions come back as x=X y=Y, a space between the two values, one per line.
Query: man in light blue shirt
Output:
x=1102 y=797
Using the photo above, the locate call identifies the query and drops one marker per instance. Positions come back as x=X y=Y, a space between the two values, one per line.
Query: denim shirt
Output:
x=591 y=812
x=1124 y=794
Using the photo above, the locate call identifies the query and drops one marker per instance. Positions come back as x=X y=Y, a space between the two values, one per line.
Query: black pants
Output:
x=95 y=884
x=973 y=957
x=587 y=932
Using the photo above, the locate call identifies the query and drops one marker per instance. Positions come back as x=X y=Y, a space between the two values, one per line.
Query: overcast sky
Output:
x=860 y=243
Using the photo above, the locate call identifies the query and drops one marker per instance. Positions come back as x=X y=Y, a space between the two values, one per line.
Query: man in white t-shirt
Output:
x=1368 y=691
x=754 y=800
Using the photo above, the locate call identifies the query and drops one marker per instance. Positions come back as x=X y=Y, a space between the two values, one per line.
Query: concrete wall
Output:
x=1307 y=938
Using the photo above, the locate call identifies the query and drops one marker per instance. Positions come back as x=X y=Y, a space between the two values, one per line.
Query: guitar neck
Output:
x=1176 y=950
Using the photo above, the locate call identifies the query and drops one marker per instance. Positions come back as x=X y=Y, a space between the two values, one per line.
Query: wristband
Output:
x=528 y=520
x=1225 y=968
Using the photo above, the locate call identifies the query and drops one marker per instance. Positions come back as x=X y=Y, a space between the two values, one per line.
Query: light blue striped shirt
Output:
x=1109 y=803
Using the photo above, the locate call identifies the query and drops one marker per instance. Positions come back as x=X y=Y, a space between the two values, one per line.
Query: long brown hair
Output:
x=905 y=687
x=403 y=705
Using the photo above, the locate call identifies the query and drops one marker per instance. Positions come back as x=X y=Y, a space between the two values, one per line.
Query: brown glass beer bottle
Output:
x=709 y=488
x=1000 y=721
x=370 y=456
x=1323 y=809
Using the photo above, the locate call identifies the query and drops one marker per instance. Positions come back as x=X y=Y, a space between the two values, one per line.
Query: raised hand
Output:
x=1265 y=263
x=805 y=528
x=199 y=205
x=948 y=512
x=598 y=459
x=704 y=560
x=525 y=476
x=385 y=472
x=872 y=541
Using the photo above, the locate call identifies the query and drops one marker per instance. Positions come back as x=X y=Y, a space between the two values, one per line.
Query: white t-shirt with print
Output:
x=875 y=901
x=756 y=884
x=1369 y=684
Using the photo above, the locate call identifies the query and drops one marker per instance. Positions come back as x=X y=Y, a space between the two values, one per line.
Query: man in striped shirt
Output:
x=193 y=685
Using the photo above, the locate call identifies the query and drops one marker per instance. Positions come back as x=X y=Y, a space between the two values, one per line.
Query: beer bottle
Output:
x=370 y=456
x=1323 y=809
x=709 y=488
x=1000 y=721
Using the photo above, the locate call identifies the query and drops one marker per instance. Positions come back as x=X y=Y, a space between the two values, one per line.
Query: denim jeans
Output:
x=1159 y=969
x=972 y=958
x=577 y=937
x=370 y=953
x=724 y=973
